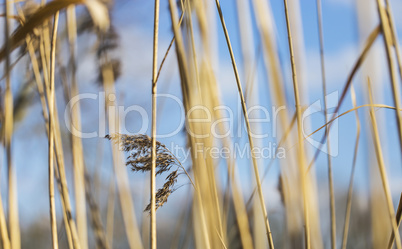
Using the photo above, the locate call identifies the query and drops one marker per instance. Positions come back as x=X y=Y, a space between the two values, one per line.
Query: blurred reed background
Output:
x=331 y=180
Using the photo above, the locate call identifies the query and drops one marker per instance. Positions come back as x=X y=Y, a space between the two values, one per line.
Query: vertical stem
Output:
x=324 y=86
x=12 y=185
x=182 y=63
x=154 y=91
x=383 y=172
x=387 y=35
x=77 y=150
x=53 y=222
x=122 y=181
x=110 y=211
x=59 y=158
x=394 y=37
x=210 y=171
x=60 y=170
x=299 y=130
x=8 y=119
x=350 y=191
x=398 y=222
x=246 y=119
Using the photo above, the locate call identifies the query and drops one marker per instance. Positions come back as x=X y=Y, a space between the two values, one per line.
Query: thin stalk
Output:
x=383 y=172
x=369 y=42
x=182 y=63
x=394 y=37
x=39 y=83
x=71 y=229
x=110 y=210
x=170 y=46
x=95 y=215
x=350 y=191
x=76 y=143
x=398 y=222
x=210 y=170
x=246 y=119
x=153 y=155
x=14 y=229
x=280 y=144
x=349 y=111
x=122 y=181
x=388 y=40
x=60 y=171
x=299 y=130
x=324 y=86
x=53 y=222
x=3 y=226
x=8 y=120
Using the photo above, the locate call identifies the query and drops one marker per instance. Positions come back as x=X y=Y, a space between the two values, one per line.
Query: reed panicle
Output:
x=139 y=159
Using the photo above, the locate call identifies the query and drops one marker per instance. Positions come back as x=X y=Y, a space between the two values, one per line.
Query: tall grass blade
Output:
x=250 y=139
x=381 y=165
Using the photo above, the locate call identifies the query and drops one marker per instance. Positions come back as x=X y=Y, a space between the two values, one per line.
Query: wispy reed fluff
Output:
x=139 y=148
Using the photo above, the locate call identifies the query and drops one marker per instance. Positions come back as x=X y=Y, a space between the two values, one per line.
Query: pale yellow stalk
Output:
x=350 y=191
x=153 y=137
x=250 y=139
x=383 y=172
x=52 y=101
x=307 y=239
x=76 y=143
x=324 y=85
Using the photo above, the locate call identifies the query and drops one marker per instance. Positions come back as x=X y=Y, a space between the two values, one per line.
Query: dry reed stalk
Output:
x=206 y=26
x=244 y=109
x=324 y=86
x=126 y=202
x=14 y=230
x=280 y=144
x=238 y=202
x=209 y=97
x=379 y=222
x=368 y=45
x=388 y=41
x=60 y=171
x=203 y=166
x=38 y=18
x=289 y=168
x=349 y=111
x=5 y=241
x=394 y=36
x=95 y=215
x=398 y=221
x=350 y=191
x=110 y=210
x=299 y=131
x=7 y=119
x=202 y=237
x=153 y=154
x=251 y=95
x=76 y=143
x=52 y=104
x=39 y=83
x=205 y=101
x=383 y=173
